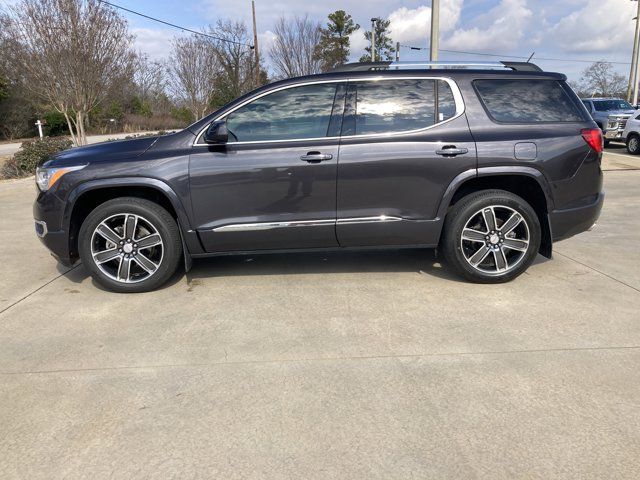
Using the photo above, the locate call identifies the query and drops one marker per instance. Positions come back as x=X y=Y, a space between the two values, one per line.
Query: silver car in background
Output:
x=611 y=115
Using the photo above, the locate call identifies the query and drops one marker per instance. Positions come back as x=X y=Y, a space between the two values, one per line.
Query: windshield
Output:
x=606 y=105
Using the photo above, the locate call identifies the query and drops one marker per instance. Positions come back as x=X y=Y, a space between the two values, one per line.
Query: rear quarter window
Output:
x=527 y=101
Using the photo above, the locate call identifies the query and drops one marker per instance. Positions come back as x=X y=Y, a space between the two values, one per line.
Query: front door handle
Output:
x=451 y=151
x=316 y=157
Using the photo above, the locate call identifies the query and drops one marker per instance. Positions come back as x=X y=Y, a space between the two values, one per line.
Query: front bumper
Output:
x=57 y=243
x=613 y=134
x=47 y=213
x=570 y=222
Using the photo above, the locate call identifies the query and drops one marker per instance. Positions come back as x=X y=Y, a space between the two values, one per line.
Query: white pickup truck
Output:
x=611 y=115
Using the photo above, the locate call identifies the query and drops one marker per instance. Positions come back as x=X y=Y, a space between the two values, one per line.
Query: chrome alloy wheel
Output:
x=127 y=248
x=495 y=239
x=634 y=144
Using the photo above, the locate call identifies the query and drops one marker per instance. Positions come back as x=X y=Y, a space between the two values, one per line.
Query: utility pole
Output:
x=633 y=73
x=397 y=51
x=435 y=29
x=255 y=44
x=373 y=39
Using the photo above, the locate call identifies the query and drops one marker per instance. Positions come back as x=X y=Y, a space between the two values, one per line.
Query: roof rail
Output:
x=373 y=66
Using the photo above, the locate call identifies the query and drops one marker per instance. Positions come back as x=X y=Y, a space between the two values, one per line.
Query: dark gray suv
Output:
x=489 y=163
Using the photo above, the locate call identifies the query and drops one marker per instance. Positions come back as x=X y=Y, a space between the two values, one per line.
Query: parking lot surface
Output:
x=344 y=365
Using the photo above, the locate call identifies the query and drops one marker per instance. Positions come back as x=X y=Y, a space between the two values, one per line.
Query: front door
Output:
x=273 y=185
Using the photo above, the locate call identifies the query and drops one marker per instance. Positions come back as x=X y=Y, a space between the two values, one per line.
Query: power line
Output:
x=514 y=56
x=184 y=29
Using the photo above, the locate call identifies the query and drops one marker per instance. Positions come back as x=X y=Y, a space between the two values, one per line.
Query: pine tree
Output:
x=333 y=49
x=384 y=45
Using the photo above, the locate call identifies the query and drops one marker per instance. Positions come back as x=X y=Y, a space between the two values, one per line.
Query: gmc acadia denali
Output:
x=488 y=162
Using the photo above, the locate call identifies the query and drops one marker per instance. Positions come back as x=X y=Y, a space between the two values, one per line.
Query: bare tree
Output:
x=149 y=76
x=294 y=50
x=69 y=54
x=194 y=68
x=236 y=59
x=601 y=79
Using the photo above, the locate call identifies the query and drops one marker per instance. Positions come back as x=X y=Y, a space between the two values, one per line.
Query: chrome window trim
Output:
x=457 y=96
x=250 y=227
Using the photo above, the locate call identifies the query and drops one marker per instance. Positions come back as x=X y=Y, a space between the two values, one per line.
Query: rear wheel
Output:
x=491 y=236
x=130 y=245
x=633 y=144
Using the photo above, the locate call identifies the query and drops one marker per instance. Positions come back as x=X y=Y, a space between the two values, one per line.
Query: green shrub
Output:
x=33 y=154
x=56 y=124
x=183 y=115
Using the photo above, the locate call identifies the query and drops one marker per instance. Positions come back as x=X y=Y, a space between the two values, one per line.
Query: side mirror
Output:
x=216 y=133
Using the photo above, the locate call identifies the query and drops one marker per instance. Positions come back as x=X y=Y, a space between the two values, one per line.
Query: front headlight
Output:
x=47 y=177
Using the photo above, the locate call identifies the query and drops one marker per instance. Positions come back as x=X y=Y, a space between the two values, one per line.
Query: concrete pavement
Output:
x=358 y=365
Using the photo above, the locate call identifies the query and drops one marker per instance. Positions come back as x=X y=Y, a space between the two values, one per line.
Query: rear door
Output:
x=403 y=141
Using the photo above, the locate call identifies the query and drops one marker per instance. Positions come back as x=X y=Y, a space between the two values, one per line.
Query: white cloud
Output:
x=598 y=26
x=414 y=25
x=265 y=42
x=510 y=20
x=155 y=42
x=357 y=44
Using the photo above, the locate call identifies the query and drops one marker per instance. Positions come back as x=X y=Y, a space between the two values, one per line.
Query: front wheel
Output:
x=130 y=245
x=633 y=144
x=491 y=236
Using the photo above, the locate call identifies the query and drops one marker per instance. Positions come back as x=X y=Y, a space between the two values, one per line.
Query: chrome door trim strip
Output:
x=378 y=219
x=457 y=96
x=250 y=227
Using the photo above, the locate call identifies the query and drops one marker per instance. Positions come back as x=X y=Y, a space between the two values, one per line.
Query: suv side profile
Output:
x=489 y=163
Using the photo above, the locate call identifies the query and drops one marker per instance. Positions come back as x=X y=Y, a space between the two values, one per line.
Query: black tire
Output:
x=606 y=142
x=471 y=208
x=151 y=218
x=633 y=144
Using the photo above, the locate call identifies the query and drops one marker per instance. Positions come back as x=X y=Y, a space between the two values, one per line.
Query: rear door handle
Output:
x=451 y=151
x=316 y=157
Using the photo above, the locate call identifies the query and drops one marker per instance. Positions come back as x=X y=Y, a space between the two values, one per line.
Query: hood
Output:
x=102 y=152
x=624 y=113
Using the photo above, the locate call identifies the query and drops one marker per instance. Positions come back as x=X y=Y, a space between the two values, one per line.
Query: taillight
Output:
x=593 y=136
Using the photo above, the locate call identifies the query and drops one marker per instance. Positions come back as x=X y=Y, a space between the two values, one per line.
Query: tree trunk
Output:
x=71 y=128
x=82 y=136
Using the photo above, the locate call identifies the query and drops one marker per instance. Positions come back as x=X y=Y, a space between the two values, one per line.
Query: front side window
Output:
x=389 y=106
x=527 y=101
x=290 y=114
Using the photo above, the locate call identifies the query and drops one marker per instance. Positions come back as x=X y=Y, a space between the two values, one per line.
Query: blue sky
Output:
x=565 y=29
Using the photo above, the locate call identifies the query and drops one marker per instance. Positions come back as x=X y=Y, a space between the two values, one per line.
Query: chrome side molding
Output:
x=248 y=227
x=381 y=218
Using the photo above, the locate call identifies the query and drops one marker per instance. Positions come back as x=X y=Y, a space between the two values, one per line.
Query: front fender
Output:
x=184 y=222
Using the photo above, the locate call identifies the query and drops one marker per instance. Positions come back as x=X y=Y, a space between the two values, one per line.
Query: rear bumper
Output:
x=570 y=222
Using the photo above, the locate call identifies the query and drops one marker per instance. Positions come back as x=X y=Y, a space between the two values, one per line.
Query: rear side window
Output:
x=527 y=101
x=388 y=106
